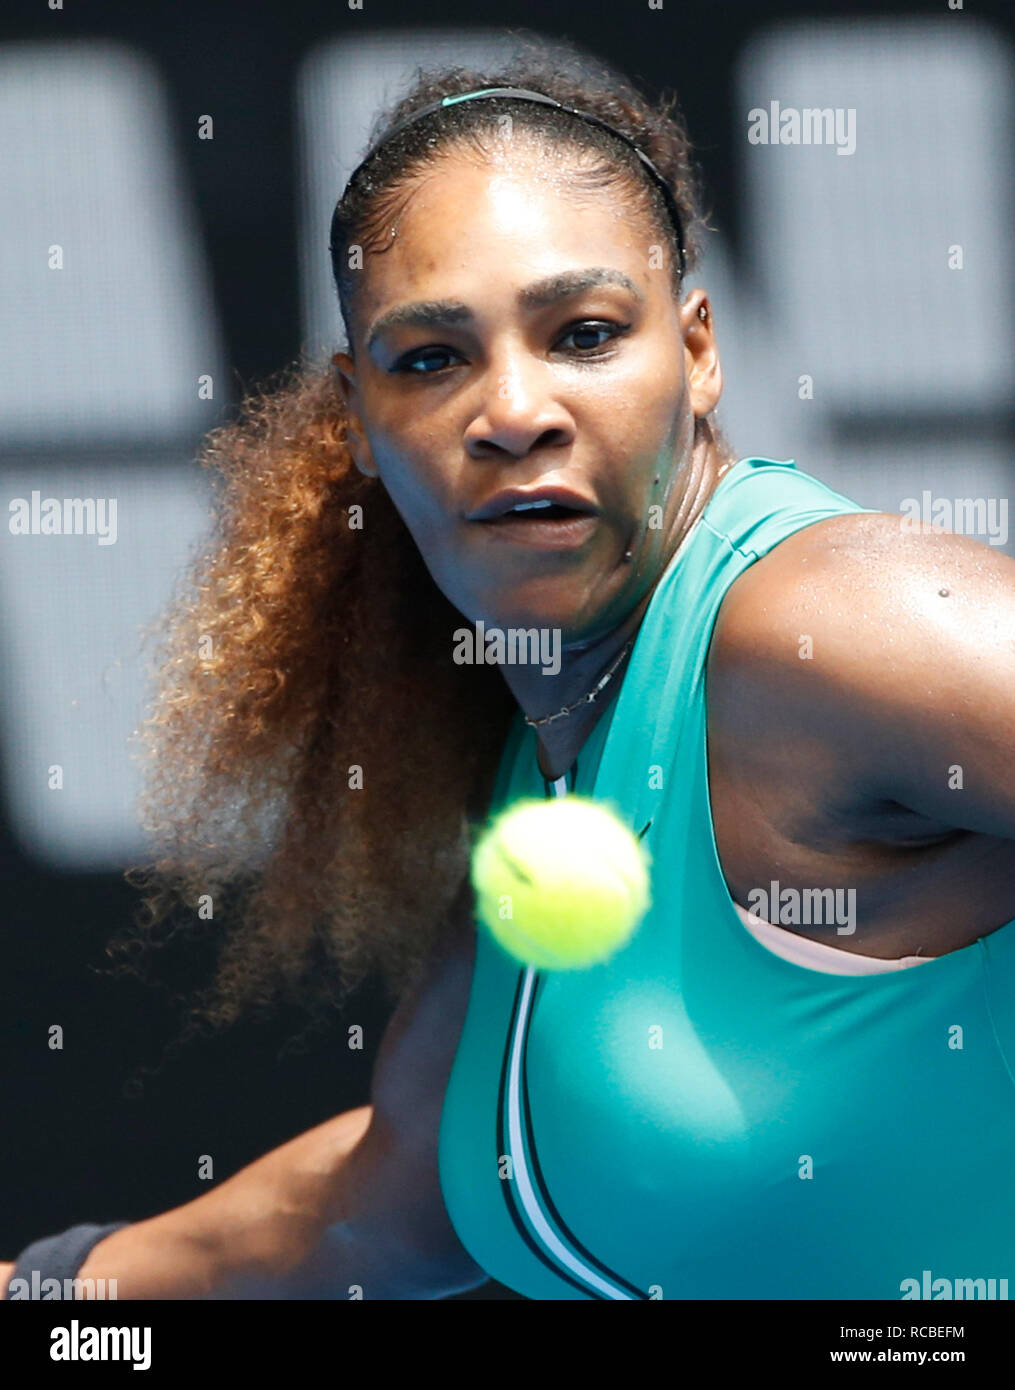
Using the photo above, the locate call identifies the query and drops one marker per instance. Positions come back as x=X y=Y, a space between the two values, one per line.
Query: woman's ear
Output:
x=359 y=444
x=704 y=371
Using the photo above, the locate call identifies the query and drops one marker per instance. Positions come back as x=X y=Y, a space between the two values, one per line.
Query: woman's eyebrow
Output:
x=430 y=313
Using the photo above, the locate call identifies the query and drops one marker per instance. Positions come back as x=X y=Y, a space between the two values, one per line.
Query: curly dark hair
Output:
x=315 y=762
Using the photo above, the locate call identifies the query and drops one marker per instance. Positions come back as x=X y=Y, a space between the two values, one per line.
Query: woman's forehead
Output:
x=509 y=174
x=470 y=221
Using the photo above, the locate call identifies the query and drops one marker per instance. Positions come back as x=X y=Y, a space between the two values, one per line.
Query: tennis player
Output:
x=796 y=1081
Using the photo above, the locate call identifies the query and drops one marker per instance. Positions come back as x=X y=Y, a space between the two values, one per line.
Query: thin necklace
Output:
x=585 y=699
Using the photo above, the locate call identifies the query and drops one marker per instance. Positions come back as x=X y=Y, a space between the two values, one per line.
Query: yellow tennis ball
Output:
x=560 y=884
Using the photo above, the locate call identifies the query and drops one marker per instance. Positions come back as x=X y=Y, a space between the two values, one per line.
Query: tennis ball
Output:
x=560 y=884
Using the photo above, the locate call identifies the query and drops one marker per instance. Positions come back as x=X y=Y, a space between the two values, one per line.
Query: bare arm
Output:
x=193 y=1250
x=352 y=1203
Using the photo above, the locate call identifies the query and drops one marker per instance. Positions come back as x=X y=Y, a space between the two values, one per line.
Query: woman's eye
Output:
x=589 y=328
x=412 y=361
x=428 y=361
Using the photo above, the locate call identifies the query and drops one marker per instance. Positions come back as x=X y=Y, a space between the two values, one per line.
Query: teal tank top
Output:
x=700 y=1118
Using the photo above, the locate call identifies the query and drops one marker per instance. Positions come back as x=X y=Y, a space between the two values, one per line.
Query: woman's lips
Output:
x=546 y=533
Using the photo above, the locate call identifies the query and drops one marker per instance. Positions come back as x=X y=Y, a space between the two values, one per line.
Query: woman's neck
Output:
x=540 y=696
x=561 y=740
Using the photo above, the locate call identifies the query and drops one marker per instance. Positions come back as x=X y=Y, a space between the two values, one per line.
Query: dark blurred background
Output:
x=189 y=257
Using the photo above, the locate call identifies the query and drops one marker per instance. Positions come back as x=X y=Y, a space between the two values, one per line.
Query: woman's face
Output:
x=515 y=335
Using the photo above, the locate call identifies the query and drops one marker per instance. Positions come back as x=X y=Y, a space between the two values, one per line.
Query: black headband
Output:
x=522 y=94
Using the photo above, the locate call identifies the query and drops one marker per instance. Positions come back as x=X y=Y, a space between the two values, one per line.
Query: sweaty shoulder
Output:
x=852 y=587
x=808 y=589
x=872 y=643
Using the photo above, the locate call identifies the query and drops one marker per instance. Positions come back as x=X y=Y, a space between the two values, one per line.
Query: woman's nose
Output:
x=517 y=407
